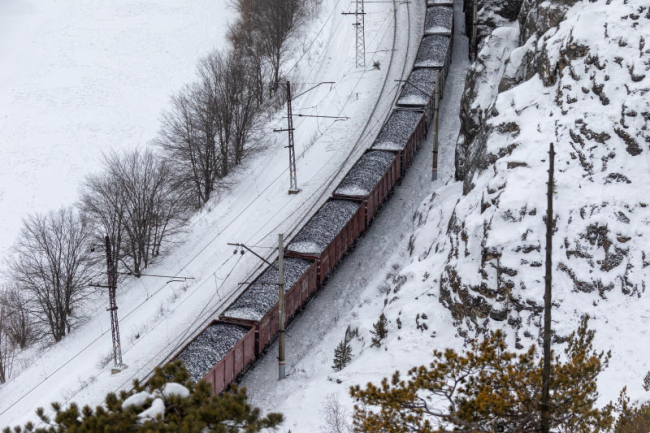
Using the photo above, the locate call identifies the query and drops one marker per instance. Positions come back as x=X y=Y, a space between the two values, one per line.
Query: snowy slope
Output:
x=81 y=77
x=582 y=85
x=468 y=257
x=157 y=316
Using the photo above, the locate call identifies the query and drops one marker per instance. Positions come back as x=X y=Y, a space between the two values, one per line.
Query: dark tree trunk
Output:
x=546 y=371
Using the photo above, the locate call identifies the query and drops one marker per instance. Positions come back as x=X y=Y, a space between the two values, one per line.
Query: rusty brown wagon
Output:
x=258 y=305
x=402 y=133
x=329 y=234
x=219 y=353
x=371 y=180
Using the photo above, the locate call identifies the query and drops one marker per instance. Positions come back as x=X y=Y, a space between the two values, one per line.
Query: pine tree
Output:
x=379 y=331
x=487 y=388
x=197 y=411
x=342 y=355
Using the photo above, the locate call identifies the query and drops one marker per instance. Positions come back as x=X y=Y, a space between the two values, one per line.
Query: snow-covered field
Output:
x=156 y=316
x=80 y=77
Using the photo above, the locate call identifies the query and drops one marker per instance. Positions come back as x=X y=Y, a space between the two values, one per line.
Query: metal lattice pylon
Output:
x=361 y=34
x=112 y=305
x=293 y=187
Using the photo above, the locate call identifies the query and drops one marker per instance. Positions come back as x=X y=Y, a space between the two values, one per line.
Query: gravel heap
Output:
x=321 y=230
x=262 y=294
x=210 y=347
x=432 y=52
x=439 y=20
x=419 y=82
x=365 y=174
x=397 y=130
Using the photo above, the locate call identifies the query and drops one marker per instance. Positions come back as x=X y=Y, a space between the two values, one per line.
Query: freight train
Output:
x=227 y=347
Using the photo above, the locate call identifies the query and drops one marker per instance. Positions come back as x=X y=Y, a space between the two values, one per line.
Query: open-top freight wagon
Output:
x=329 y=234
x=370 y=180
x=258 y=305
x=402 y=133
x=219 y=354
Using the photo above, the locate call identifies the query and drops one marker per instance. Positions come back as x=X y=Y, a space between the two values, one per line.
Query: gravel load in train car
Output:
x=321 y=230
x=260 y=296
x=419 y=88
x=366 y=173
x=397 y=131
x=210 y=347
x=439 y=20
x=440 y=3
x=432 y=52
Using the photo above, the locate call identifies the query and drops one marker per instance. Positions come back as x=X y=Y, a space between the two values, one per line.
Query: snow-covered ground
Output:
x=156 y=316
x=80 y=77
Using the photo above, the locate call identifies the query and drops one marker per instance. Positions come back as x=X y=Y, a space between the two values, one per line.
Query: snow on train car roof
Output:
x=397 y=130
x=262 y=294
x=210 y=347
x=432 y=52
x=321 y=230
x=440 y=3
x=419 y=82
x=439 y=20
x=365 y=174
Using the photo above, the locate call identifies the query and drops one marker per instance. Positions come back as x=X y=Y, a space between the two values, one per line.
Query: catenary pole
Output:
x=359 y=25
x=546 y=369
x=112 y=306
x=436 y=117
x=281 y=318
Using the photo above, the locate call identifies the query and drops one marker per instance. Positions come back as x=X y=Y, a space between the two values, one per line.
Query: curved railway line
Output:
x=310 y=203
x=318 y=246
x=306 y=210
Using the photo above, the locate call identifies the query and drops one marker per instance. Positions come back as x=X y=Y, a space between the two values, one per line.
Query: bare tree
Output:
x=272 y=22
x=226 y=78
x=335 y=416
x=103 y=203
x=6 y=348
x=247 y=44
x=153 y=209
x=52 y=266
x=204 y=135
x=19 y=326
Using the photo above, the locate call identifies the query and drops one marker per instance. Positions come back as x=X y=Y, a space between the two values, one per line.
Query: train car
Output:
x=435 y=52
x=439 y=21
x=219 y=354
x=402 y=133
x=258 y=305
x=371 y=179
x=329 y=234
x=419 y=91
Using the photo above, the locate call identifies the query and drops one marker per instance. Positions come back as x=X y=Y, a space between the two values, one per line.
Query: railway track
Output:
x=306 y=209
x=312 y=203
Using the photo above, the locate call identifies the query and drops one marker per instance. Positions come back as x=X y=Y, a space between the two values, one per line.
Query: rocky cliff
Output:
x=576 y=74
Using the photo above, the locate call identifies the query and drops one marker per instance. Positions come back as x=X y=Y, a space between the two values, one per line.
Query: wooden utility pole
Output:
x=112 y=307
x=474 y=48
x=359 y=24
x=546 y=371
x=281 y=313
x=436 y=117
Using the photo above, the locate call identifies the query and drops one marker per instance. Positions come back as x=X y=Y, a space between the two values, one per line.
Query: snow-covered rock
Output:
x=579 y=79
